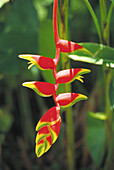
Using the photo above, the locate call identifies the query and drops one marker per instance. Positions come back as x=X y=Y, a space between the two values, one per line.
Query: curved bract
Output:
x=69 y=75
x=43 y=63
x=68 y=46
x=48 y=130
x=68 y=99
x=42 y=88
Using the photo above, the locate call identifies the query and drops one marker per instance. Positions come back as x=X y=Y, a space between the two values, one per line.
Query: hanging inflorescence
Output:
x=49 y=125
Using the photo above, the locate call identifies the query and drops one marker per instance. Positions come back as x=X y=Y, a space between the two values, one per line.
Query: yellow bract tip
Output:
x=29 y=84
x=25 y=56
x=29 y=58
x=82 y=97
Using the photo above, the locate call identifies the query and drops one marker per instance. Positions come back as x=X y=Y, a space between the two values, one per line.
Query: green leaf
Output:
x=20 y=35
x=46 y=39
x=94 y=18
x=6 y=120
x=47 y=46
x=100 y=116
x=95 y=139
x=44 y=2
x=103 y=12
x=101 y=54
x=112 y=1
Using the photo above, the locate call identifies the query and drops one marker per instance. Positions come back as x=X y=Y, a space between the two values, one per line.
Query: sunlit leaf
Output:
x=100 y=116
x=101 y=55
x=2 y=2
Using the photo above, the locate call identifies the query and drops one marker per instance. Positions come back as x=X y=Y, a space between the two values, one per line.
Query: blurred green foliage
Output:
x=26 y=27
x=20 y=35
x=95 y=138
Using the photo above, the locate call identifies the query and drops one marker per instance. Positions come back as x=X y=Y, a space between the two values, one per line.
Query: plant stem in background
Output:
x=105 y=22
x=104 y=26
x=94 y=19
x=108 y=107
x=103 y=13
x=109 y=121
x=108 y=19
x=65 y=65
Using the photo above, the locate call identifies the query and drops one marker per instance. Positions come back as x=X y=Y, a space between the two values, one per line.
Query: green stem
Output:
x=105 y=21
x=103 y=13
x=67 y=87
x=110 y=13
x=108 y=20
x=106 y=33
x=108 y=108
x=94 y=19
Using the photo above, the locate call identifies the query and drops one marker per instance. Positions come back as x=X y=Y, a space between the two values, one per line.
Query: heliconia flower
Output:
x=48 y=127
x=42 y=88
x=48 y=130
x=43 y=63
x=68 y=99
x=69 y=75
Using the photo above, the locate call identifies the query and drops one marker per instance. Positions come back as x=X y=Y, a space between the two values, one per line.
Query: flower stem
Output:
x=65 y=65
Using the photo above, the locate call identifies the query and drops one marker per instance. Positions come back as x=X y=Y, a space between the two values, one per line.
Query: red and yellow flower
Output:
x=49 y=125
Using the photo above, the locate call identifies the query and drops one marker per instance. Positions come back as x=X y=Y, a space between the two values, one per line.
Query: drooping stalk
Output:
x=65 y=65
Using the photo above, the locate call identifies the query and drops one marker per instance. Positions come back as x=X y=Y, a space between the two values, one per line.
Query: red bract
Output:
x=49 y=125
x=51 y=115
x=42 y=88
x=69 y=75
x=68 y=46
x=68 y=99
x=43 y=63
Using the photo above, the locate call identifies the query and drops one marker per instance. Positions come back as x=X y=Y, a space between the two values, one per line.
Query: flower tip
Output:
x=24 y=84
x=22 y=56
x=87 y=70
x=83 y=97
x=28 y=84
x=26 y=56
